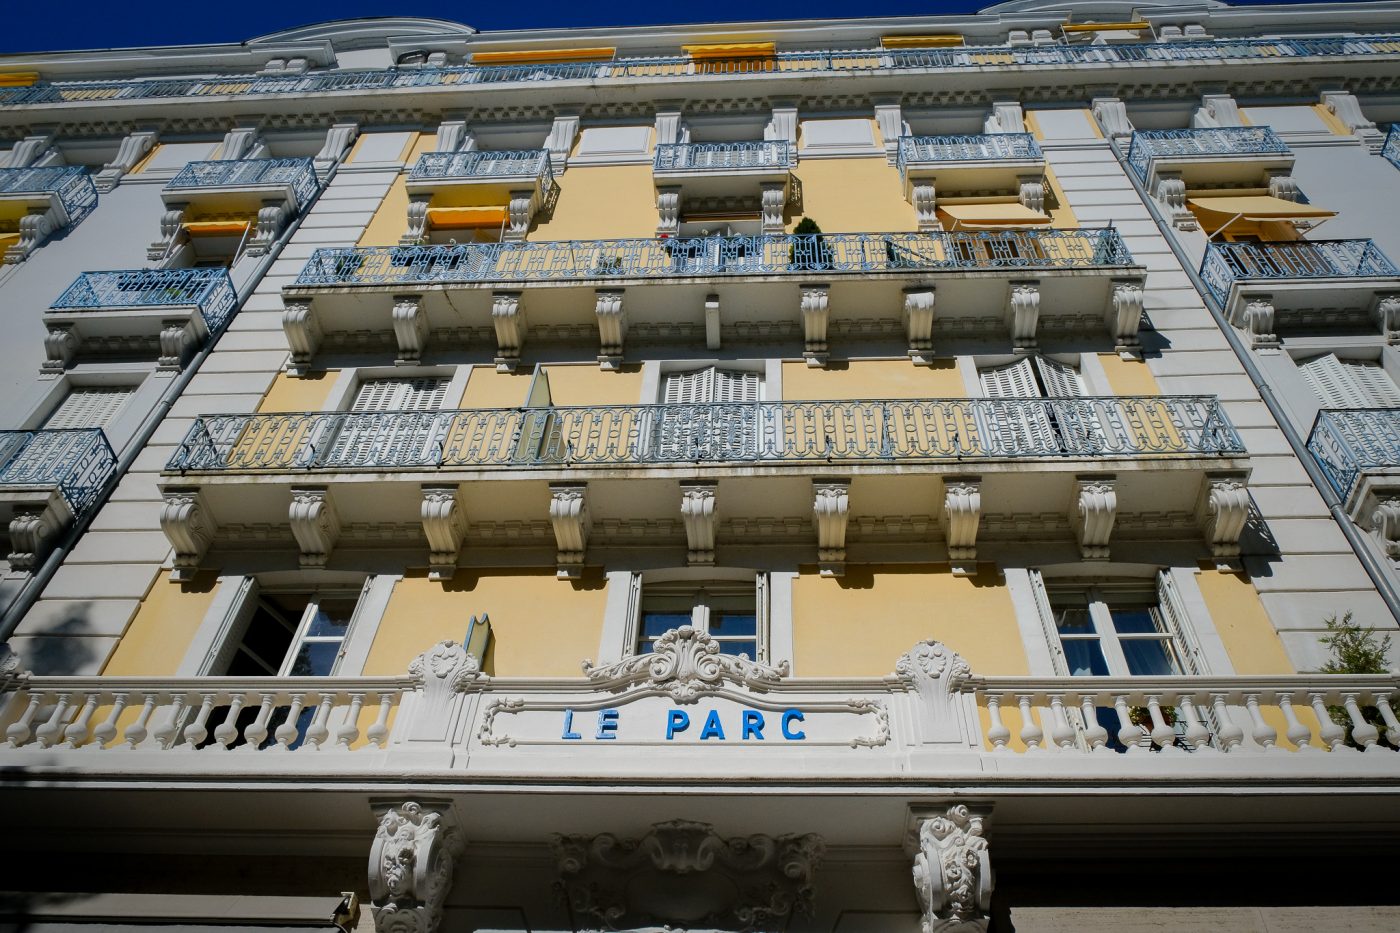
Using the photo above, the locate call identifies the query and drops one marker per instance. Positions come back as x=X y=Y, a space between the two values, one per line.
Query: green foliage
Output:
x=1355 y=650
x=806 y=225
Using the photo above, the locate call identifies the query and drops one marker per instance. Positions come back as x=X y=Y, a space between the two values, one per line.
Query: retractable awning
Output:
x=463 y=218
x=921 y=42
x=217 y=227
x=1257 y=208
x=543 y=56
x=994 y=215
x=732 y=50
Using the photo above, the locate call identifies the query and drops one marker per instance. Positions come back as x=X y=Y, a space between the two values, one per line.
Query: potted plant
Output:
x=816 y=252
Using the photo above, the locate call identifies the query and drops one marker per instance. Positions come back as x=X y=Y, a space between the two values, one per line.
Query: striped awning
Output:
x=732 y=50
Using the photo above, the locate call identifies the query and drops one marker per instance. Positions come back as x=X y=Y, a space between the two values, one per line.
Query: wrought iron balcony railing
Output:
x=724 y=157
x=1224 y=263
x=79 y=462
x=985 y=147
x=210 y=290
x=711 y=256
x=1183 y=54
x=1347 y=442
x=71 y=183
x=1218 y=141
x=300 y=174
x=904 y=431
x=530 y=163
x=1391 y=149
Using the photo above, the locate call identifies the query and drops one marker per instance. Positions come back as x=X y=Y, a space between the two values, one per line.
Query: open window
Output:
x=1018 y=421
x=729 y=610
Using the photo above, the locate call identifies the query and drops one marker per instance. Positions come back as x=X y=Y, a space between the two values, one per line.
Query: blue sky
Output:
x=34 y=25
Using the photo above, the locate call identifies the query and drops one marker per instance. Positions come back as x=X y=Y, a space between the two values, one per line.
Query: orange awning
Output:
x=1104 y=27
x=920 y=42
x=217 y=227
x=732 y=50
x=994 y=215
x=19 y=79
x=542 y=56
x=465 y=218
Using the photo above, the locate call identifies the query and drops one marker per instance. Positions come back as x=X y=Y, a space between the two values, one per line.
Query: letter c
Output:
x=789 y=717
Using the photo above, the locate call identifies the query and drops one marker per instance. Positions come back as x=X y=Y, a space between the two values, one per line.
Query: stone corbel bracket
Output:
x=952 y=867
x=568 y=513
x=1124 y=316
x=1023 y=315
x=612 y=327
x=1112 y=115
x=272 y=217
x=411 y=864
x=1222 y=510
x=315 y=524
x=172 y=233
x=508 y=318
x=668 y=210
x=560 y=141
x=303 y=331
x=36 y=519
x=1092 y=514
x=831 y=509
x=962 y=505
x=132 y=149
x=410 y=320
x=187 y=523
x=1386 y=314
x=445 y=526
x=416 y=230
x=338 y=140
x=701 y=520
x=924 y=196
x=918 y=323
x=815 y=309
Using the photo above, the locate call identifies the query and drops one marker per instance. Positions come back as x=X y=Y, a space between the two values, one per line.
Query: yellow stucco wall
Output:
x=390 y=219
x=540 y=626
x=1243 y=625
x=426 y=142
x=858 y=625
x=487 y=388
x=299 y=393
x=156 y=640
x=586 y=384
x=1062 y=216
x=859 y=379
x=1128 y=377
x=602 y=202
x=853 y=196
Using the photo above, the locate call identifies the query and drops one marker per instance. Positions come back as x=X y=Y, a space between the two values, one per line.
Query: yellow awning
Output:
x=920 y=42
x=1254 y=208
x=732 y=50
x=1103 y=27
x=994 y=215
x=19 y=79
x=542 y=56
x=464 y=218
x=217 y=227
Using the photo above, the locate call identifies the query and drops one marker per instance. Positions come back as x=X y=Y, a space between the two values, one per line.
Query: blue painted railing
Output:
x=1215 y=141
x=71 y=183
x=79 y=462
x=237 y=173
x=723 y=157
x=984 y=147
x=899 y=431
x=1346 y=442
x=1224 y=263
x=711 y=256
x=210 y=290
x=1391 y=149
x=865 y=61
x=529 y=163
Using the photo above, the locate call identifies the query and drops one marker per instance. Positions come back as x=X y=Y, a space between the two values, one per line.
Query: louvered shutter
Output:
x=1077 y=422
x=1060 y=379
x=1011 y=424
x=709 y=414
x=1046 y=614
x=1350 y=383
x=1178 y=626
x=88 y=408
x=386 y=427
x=1014 y=381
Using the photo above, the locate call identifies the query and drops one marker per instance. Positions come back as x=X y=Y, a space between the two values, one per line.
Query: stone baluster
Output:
x=286 y=733
x=1163 y=735
x=17 y=733
x=49 y=732
x=1297 y=733
x=1128 y=732
x=170 y=729
x=1061 y=733
x=227 y=731
x=76 y=732
x=197 y=731
x=1230 y=735
x=319 y=731
x=1094 y=734
x=1333 y=736
x=349 y=731
x=106 y=730
x=1392 y=725
x=1260 y=731
x=997 y=734
x=136 y=733
x=378 y=733
x=1197 y=736
x=256 y=733
x=1362 y=732
x=1031 y=732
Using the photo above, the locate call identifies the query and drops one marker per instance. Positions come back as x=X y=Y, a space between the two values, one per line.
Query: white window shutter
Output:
x=88 y=408
x=1014 y=381
x=1178 y=625
x=369 y=440
x=1350 y=383
x=1047 y=622
x=418 y=394
x=1060 y=379
x=1011 y=428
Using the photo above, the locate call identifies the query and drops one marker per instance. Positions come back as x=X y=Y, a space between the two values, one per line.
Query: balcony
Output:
x=933 y=167
x=520 y=183
x=1359 y=452
x=1226 y=156
x=1060 y=278
x=175 y=310
x=47 y=479
x=1303 y=285
x=251 y=199
x=1391 y=149
x=506 y=464
x=36 y=203
x=750 y=158
x=747 y=177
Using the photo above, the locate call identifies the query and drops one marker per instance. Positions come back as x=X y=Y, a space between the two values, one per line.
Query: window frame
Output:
x=696 y=579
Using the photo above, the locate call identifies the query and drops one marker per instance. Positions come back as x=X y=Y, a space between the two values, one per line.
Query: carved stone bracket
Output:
x=188 y=525
x=751 y=882
x=1023 y=314
x=772 y=200
x=685 y=663
x=416 y=231
x=612 y=327
x=669 y=124
x=668 y=210
x=1257 y=319
x=889 y=117
x=568 y=513
x=935 y=672
x=132 y=149
x=1346 y=108
x=1112 y=115
x=1222 y=512
x=410 y=320
x=30 y=152
x=1092 y=514
x=1283 y=186
x=508 y=317
x=272 y=217
x=782 y=124
x=1386 y=314
x=172 y=230
x=338 y=140
x=918 y=323
x=1385 y=525
x=816 y=314
x=454 y=136
x=1032 y=192
x=303 y=331
x=831 y=508
x=1216 y=110
x=1007 y=117
x=962 y=503
x=35 y=520
x=444 y=525
x=701 y=521
x=411 y=862
x=561 y=140
x=520 y=213
x=1170 y=191
x=953 y=871
x=178 y=339
x=1124 y=316
x=60 y=347
x=925 y=200
x=315 y=524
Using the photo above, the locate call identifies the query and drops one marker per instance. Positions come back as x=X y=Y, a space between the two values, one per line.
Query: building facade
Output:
x=862 y=475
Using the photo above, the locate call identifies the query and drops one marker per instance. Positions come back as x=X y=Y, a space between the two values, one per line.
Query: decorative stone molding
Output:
x=612 y=327
x=1006 y=118
x=445 y=669
x=189 y=527
x=172 y=231
x=889 y=118
x=32 y=151
x=178 y=339
x=751 y=882
x=416 y=231
x=1092 y=515
x=712 y=328
x=1216 y=110
x=669 y=127
x=962 y=504
x=444 y=525
x=925 y=201
x=1284 y=187
x=272 y=216
x=520 y=212
x=338 y=140
x=935 y=673
x=560 y=141
x=60 y=347
x=411 y=863
x=1385 y=525
x=772 y=201
x=782 y=124
x=34 y=522
x=1023 y=314
x=303 y=331
x=1222 y=512
x=701 y=521
x=1257 y=319
x=953 y=871
x=1346 y=108
x=242 y=142
x=816 y=315
x=1125 y=315
x=410 y=320
x=1386 y=314
x=1032 y=192
x=315 y=524
x=918 y=323
x=1170 y=191
x=454 y=136
x=508 y=317
x=132 y=149
x=685 y=663
x=831 y=507
x=34 y=228
x=1112 y=115
x=568 y=513
x=668 y=210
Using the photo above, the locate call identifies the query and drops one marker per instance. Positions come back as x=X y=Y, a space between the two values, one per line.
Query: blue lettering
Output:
x=569 y=732
x=789 y=717
x=753 y=725
x=607 y=724
x=676 y=721
x=712 y=729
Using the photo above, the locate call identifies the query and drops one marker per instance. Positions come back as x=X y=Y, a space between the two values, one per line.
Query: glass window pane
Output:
x=332 y=617
x=727 y=623
x=737 y=648
x=315 y=659
x=657 y=623
x=1148 y=656
x=1085 y=657
x=1135 y=621
x=1074 y=622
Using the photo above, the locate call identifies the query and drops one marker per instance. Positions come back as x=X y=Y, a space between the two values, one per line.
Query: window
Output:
x=292 y=635
x=89 y=407
x=382 y=428
x=1113 y=631
x=1043 y=428
x=728 y=610
x=709 y=414
x=1344 y=383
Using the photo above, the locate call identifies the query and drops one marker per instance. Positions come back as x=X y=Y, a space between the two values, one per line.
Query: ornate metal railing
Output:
x=78 y=461
x=1218 y=141
x=1223 y=263
x=724 y=157
x=1346 y=442
x=711 y=256
x=210 y=290
x=1391 y=149
x=985 y=147
x=901 y=431
x=531 y=163
x=230 y=173
x=71 y=183
x=854 y=60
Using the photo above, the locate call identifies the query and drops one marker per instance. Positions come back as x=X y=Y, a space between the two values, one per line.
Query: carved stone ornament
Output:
x=684 y=875
x=953 y=873
x=685 y=663
x=935 y=673
x=446 y=663
x=410 y=866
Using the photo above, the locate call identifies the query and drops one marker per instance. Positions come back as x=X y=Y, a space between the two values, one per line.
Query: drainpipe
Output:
x=34 y=586
x=1380 y=575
